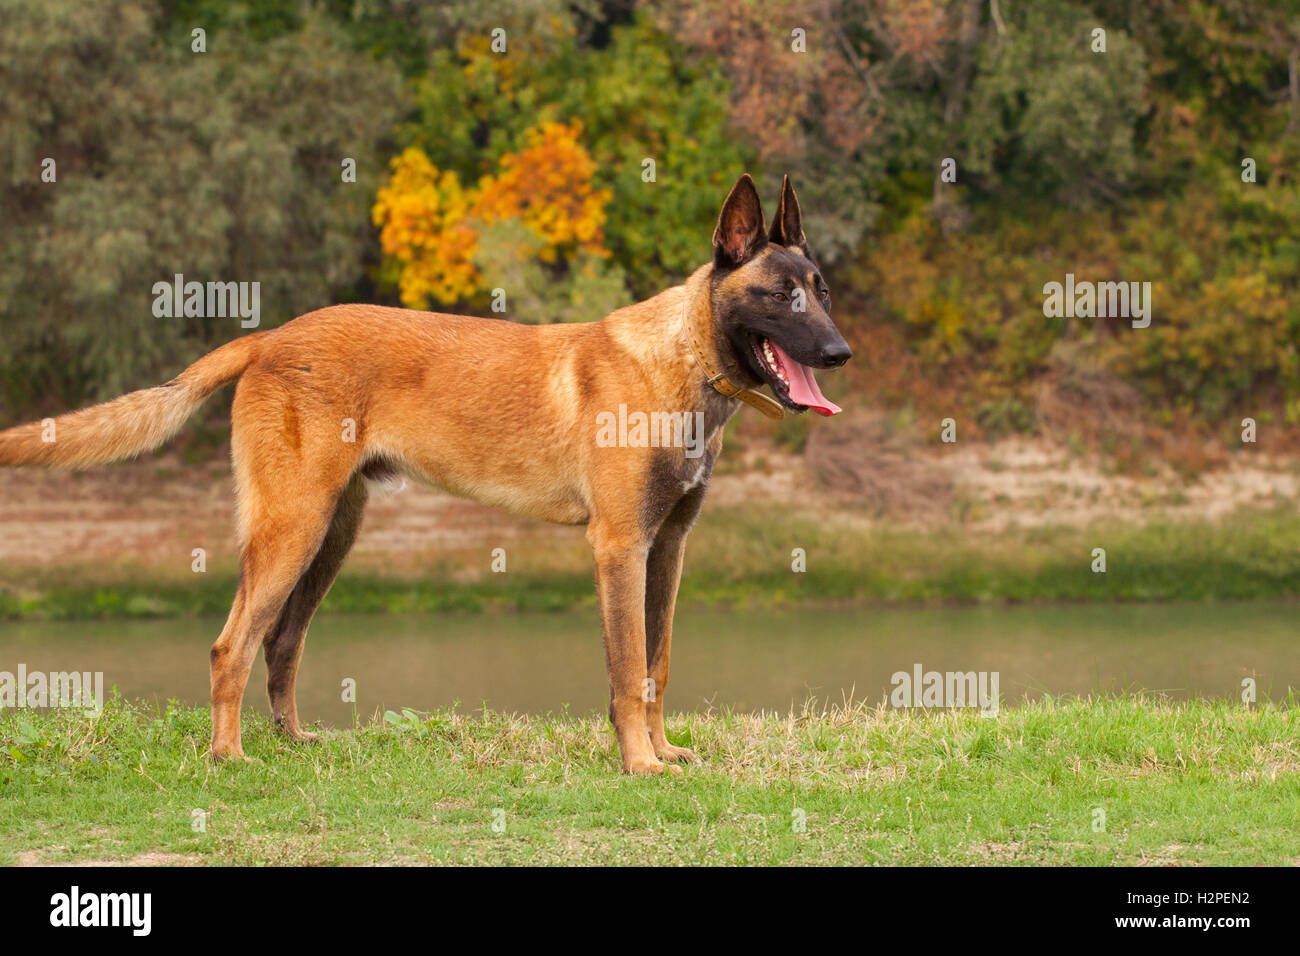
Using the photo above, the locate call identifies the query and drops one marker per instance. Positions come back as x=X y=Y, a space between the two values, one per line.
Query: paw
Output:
x=290 y=729
x=223 y=752
x=673 y=754
x=648 y=767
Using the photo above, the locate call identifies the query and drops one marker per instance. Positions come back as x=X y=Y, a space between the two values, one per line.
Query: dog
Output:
x=499 y=412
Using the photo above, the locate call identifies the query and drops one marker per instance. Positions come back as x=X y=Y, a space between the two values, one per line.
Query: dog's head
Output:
x=771 y=305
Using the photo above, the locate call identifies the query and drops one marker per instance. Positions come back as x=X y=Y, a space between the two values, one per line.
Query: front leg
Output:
x=663 y=575
x=620 y=585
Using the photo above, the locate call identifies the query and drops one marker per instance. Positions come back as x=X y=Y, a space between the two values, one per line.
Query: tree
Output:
x=221 y=166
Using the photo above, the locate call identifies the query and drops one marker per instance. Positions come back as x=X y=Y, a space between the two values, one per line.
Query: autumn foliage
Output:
x=423 y=215
x=430 y=223
x=580 y=167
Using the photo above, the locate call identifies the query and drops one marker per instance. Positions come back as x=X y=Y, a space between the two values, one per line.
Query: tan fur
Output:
x=131 y=424
x=492 y=410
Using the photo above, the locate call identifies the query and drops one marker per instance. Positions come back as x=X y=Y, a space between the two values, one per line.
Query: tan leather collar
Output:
x=700 y=347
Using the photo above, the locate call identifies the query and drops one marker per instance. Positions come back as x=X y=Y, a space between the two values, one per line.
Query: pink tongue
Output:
x=803 y=387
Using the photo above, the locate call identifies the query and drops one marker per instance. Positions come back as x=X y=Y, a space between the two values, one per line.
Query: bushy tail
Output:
x=126 y=426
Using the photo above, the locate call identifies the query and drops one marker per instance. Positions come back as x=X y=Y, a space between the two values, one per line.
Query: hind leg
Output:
x=290 y=471
x=277 y=553
x=283 y=646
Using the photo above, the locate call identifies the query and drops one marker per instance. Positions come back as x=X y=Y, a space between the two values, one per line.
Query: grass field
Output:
x=1115 y=780
x=736 y=556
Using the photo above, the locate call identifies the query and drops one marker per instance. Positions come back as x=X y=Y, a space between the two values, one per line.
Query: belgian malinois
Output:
x=499 y=412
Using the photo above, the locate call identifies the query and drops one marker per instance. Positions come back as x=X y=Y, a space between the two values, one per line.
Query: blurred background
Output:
x=581 y=168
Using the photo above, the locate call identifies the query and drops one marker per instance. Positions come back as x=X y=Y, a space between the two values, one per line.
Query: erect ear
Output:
x=787 y=227
x=739 y=234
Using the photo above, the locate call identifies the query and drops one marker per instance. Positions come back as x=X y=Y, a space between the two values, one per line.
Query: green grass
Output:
x=737 y=556
x=1205 y=782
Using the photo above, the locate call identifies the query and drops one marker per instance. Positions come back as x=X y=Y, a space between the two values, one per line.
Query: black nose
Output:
x=833 y=356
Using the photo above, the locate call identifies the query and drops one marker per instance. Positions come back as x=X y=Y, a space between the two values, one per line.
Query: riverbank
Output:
x=1106 y=781
x=739 y=557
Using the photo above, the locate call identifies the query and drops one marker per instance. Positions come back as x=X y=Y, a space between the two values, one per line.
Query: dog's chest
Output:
x=674 y=478
x=692 y=479
x=694 y=471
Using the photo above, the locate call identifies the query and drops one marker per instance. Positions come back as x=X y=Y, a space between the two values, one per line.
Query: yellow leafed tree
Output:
x=430 y=224
x=422 y=213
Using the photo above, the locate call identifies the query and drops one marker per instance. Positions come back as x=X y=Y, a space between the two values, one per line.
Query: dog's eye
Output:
x=779 y=296
x=825 y=293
